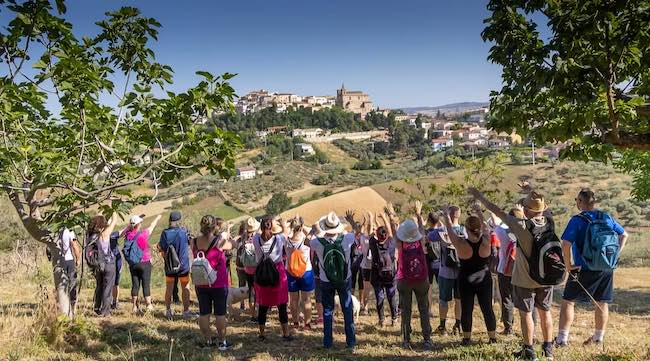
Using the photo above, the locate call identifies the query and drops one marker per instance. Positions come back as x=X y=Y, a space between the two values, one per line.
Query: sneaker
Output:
x=466 y=342
x=456 y=330
x=427 y=344
x=225 y=345
x=189 y=315
x=287 y=338
x=169 y=315
x=590 y=342
x=406 y=345
x=547 y=351
x=560 y=344
x=441 y=331
x=526 y=353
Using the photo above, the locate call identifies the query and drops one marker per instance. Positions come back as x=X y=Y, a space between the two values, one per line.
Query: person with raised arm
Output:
x=474 y=279
x=98 y=238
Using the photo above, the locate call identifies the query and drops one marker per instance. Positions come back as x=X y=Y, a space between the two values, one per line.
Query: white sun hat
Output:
x=409 y=232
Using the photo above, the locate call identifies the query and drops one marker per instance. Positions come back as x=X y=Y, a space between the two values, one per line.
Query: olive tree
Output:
x=86 y=119
x=587 y=82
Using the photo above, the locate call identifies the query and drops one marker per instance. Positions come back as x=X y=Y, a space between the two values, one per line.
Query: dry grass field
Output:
x=364 y=198
x=30 y=331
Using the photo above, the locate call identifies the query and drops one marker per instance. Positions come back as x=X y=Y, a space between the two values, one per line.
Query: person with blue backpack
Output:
x=137 y=254
x=595 y=240
x=175 y=246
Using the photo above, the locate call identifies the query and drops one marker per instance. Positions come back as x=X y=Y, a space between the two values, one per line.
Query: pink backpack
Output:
x=414 y=265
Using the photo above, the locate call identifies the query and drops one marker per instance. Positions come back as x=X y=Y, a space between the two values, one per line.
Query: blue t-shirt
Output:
x=576 y=230
x=177 y=237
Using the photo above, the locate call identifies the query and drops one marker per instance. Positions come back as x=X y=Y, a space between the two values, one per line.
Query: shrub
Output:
x=278 y=203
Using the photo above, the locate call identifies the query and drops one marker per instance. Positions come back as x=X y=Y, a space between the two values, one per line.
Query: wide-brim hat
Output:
x=409 y=232
x=252 y=225
x=535 y=203
x=277 y=228
x=330 y=224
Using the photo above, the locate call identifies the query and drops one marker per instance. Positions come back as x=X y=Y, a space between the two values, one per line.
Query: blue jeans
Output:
x=345 y=296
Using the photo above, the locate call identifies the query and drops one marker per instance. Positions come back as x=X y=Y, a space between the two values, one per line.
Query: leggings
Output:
x=282 y=310
x=483 y=291
x=357 y=276
x=383 y=291
x=141 y=274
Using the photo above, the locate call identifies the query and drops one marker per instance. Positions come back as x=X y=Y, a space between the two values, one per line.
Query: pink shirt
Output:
x=217 y=259
x=142 y=242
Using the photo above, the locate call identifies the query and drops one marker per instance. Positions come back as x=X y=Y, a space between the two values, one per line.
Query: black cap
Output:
x=175 y=216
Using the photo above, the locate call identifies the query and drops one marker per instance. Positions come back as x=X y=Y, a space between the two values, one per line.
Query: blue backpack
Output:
x=132 y=252
x=600 y=248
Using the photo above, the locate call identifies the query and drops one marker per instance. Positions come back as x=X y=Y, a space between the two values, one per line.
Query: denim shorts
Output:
x=448 y=289
x=305 y=283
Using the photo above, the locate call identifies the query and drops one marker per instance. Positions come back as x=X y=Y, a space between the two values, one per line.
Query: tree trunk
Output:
x=63 y=285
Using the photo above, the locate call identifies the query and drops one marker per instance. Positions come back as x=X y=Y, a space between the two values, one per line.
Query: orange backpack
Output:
x=297 y=265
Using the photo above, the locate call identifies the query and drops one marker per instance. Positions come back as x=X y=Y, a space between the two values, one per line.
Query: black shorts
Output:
x=433 y=273
x=600 y=284
x=367 y=274
x=212 y=300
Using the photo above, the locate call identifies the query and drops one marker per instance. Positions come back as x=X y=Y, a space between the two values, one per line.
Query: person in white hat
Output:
x=332 y=249
x=138 y=254
x=412 y=278
x=245 y=271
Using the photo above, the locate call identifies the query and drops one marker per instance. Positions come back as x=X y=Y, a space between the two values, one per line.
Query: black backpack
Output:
x=94 y=256
x=546 y=261
x=266 y=273
x=451 y=257
x=382 y=263
x=172 y=262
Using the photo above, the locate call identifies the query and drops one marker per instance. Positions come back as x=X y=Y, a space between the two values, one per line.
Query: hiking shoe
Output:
x=526 y=353
x=466 y=342
x=225 y=345
x=287 y=338
x=169 y=315
x=441 y=331
x=406 y=345
x=560 y=344
x=590 y=341
x=547 y=350
x=189 y=315
x=427 y=344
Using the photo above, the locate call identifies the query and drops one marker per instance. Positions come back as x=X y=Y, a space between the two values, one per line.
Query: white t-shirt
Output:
x=366 y=263
x=317 y=247
x=302 y=248
x=67 y=236
x=504 y=237
x=276 y=254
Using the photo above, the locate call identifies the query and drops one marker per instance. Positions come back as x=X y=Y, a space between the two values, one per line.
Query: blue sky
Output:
x=403 y=53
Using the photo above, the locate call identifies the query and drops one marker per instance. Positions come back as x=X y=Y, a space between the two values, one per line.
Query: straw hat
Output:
x=252 y=225
x=331 y=224
x=277 y=228
x=409 y=232
x=535 y=203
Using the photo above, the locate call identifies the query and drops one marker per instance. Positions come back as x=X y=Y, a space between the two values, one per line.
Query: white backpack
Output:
x=202 y=272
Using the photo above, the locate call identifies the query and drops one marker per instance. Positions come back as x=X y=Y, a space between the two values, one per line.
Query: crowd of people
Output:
x=513 y=255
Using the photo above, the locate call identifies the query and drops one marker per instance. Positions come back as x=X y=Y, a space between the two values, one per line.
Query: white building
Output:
x=441 y=133
x=246 y=173
x=304 y=149
x=308 y=133
x=440 y=144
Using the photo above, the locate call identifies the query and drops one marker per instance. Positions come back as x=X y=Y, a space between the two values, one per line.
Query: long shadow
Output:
x=20 y=309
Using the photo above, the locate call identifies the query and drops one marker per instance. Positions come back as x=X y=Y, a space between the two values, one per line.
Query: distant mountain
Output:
x=447 y=108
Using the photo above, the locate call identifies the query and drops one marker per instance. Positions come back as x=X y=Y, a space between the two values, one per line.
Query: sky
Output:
x=403 y=53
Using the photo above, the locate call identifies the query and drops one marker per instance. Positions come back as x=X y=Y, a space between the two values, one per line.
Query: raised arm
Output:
x=513 y=224
x=464 y=249
x=153 y=224
x=111 y=226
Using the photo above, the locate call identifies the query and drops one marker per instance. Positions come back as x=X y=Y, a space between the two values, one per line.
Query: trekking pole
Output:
x=575 y=278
